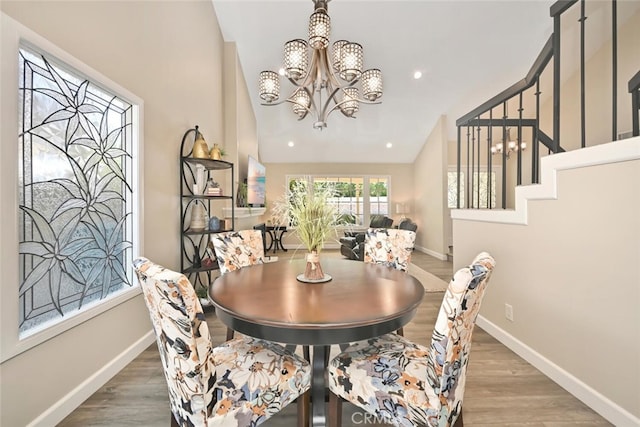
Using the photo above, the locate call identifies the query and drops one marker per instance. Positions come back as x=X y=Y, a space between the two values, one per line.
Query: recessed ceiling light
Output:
x=417 y=75
x=389 y=145
x=290 y=144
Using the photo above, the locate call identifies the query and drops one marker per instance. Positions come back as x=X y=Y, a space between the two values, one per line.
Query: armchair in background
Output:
x=407 y=224
x=352 y=244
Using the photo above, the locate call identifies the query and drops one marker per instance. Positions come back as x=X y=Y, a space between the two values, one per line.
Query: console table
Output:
x=275 y=235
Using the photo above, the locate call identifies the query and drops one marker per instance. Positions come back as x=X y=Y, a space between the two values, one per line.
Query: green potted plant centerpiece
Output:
x=313 y=219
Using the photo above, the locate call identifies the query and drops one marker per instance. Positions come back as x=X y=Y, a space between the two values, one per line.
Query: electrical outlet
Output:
x=508 y=312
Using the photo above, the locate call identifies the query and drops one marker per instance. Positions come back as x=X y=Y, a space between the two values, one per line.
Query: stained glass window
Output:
x=75 y=191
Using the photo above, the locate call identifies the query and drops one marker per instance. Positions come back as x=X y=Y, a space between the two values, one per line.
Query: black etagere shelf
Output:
x=197 y=260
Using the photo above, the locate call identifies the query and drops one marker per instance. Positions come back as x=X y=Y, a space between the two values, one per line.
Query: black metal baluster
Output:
x=614 y=69
x=519 y=144
x=582 y=20
x=556 y=83
x=504 y=155
x=466 y=184
x=458 y=158
x=489 y=160
x=478 y=168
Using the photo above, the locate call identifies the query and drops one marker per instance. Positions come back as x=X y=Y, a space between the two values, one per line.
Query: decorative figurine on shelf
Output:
x=197 y=261
x=200 y=147
x=214 y=223
x=216 y=152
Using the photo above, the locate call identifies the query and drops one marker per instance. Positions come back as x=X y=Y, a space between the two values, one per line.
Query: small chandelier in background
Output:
x=317 y=87
x=512 y=146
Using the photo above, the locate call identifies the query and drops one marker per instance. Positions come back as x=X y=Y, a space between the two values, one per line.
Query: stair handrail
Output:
x=540 y=63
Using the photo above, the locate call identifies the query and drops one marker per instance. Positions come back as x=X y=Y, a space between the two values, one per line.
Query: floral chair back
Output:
x=214 y=386
x=451 y=340
x=389 y=246
x=237 y=249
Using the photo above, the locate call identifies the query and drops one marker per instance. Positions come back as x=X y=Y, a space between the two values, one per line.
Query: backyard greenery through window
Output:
x=484 y=195
x=357 y=197
x=76 y=170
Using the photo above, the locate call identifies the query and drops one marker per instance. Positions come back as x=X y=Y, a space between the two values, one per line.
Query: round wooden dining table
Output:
x=360 y=301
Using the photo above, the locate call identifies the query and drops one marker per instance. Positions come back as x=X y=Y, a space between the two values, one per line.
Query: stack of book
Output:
x=214 y=191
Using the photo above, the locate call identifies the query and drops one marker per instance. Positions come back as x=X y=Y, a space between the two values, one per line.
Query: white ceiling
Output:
x=468 y=51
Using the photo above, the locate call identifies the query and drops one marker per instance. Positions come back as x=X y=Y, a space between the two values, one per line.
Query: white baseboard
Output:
x=441 y=257
x=608 y=409
x=58 y=411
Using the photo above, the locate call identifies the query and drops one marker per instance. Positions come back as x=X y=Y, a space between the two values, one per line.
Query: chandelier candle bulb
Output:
x=337 y=54
x=269 y=86
x=372 y=84
x=351 y=61
x=350 y=101
x=319 y=28
x=295 y=58
x=302 y=102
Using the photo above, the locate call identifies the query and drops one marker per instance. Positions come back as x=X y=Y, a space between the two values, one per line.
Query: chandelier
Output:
x=327 y=82
x=510 y=147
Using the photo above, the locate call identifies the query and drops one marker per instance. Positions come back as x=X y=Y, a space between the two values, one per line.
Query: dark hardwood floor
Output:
x=501 y=390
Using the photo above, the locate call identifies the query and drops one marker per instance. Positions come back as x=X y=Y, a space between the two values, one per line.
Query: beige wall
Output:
x=429 y=193
x=170 y=55
x=571 y=276
x=240 y=136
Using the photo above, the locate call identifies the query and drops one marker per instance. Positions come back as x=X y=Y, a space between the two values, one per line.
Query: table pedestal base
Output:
x=320 y=360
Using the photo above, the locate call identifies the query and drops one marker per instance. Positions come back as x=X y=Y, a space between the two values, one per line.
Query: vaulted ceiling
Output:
x=467 y=52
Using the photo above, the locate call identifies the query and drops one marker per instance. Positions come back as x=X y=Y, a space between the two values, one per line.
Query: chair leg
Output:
x=335 y=410
x=230 y=333
x=174 y=423
x=459 y=422
x=400 y=332
x=305 y=352
x=304 y=406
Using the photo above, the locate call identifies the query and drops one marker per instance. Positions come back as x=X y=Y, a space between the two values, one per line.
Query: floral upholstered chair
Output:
x=237 y=249
x=240 y=383
x=389 y=246
x=407 y=384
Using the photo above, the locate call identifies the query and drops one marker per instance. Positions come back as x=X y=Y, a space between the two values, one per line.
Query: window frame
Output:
x=497 y=191
x=366 y=202
x=14 y=37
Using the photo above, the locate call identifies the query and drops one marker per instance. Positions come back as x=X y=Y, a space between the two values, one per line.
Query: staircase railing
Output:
x=477 y=173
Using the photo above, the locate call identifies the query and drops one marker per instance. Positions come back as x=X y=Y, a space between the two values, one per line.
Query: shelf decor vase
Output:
x=214 y=223
x=200 y=147
x=215 y=153
x=198 y=217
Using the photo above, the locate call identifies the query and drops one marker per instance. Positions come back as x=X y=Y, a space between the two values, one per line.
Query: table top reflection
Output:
x=362 y=300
